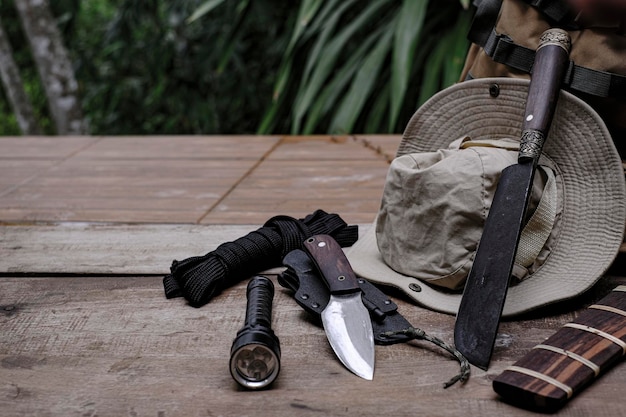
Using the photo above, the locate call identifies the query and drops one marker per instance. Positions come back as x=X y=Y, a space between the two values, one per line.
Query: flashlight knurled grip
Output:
x=260 y=293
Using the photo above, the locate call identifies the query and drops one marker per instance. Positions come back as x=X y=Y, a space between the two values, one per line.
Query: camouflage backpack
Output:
x=505 y=34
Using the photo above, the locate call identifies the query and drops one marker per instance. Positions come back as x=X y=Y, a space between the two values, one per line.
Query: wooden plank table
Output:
x=89 y=225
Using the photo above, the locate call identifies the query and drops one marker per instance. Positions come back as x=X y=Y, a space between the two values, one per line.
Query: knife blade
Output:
x=345 y=319
x=485 y=290
x=572 y=358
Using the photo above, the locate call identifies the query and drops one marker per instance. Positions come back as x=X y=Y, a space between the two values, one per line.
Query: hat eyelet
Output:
x=494 y=90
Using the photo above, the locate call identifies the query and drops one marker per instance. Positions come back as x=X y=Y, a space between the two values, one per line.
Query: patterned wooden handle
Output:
x=550 y=65
x=557 y=369
x=332 y=264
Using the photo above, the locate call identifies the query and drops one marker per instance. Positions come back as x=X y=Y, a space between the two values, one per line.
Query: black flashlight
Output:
x=255 y=354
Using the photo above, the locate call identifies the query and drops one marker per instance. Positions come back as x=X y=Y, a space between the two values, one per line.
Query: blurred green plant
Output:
x=154 y=68
x=364 y=67
x=8 y=123
x=250 y=66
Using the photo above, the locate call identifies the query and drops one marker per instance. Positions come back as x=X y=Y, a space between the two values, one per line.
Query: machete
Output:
x=346 y=320
x=488 y=280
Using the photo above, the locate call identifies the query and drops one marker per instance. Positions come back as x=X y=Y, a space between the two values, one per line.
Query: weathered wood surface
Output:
x=89 y=249
x=100 y=249
x=114 y=346
x=191 y=179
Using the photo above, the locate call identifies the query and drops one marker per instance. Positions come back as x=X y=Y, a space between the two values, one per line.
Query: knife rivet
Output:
x=387 y=302
x=341 y=277
x=321 y=244
x=305 y=296
x=315 y=305
x=415 y=287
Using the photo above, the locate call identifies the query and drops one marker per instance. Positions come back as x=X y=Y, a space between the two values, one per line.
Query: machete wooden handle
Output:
x=552 y=52
x=555 y=370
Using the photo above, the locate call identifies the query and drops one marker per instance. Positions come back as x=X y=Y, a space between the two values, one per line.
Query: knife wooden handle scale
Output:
x=332 y=264
x=560 y=367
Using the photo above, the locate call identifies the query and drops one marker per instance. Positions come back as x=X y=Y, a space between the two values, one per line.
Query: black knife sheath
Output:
x=312 y=295
x=302 y=278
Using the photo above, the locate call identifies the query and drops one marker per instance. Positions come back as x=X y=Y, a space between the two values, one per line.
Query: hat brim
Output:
x=593 y=190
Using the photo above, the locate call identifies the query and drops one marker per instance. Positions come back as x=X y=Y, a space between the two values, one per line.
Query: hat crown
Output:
x=434 y=207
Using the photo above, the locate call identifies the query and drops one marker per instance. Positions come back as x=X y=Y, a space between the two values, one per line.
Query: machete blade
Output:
x=487 y=283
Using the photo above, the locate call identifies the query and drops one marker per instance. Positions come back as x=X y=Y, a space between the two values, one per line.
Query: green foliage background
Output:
x=251 y=66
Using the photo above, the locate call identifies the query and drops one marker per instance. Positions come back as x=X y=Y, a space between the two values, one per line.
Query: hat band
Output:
x=538 y=228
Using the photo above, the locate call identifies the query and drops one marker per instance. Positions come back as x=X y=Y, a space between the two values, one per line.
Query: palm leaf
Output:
x=378 y=112
x=304 y=29
x=445 y=63
x=354 y=100
x=203 y=9
x=337 y=85
x=407 y=34
x=306 y=12
x=354 y=65
x=333 y=51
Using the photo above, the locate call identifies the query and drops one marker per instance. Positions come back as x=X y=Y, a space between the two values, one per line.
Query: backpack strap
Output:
x=485 y=20
x=559 y=12
x=502 y=49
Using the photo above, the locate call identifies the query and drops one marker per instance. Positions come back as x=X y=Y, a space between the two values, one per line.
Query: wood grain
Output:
x=114 y=346
x=95 y=249
x=191 y=179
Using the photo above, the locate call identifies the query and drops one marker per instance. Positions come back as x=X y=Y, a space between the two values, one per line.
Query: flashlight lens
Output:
x=254 y=366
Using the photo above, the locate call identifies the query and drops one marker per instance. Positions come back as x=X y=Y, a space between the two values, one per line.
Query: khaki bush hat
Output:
x=439 y=188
